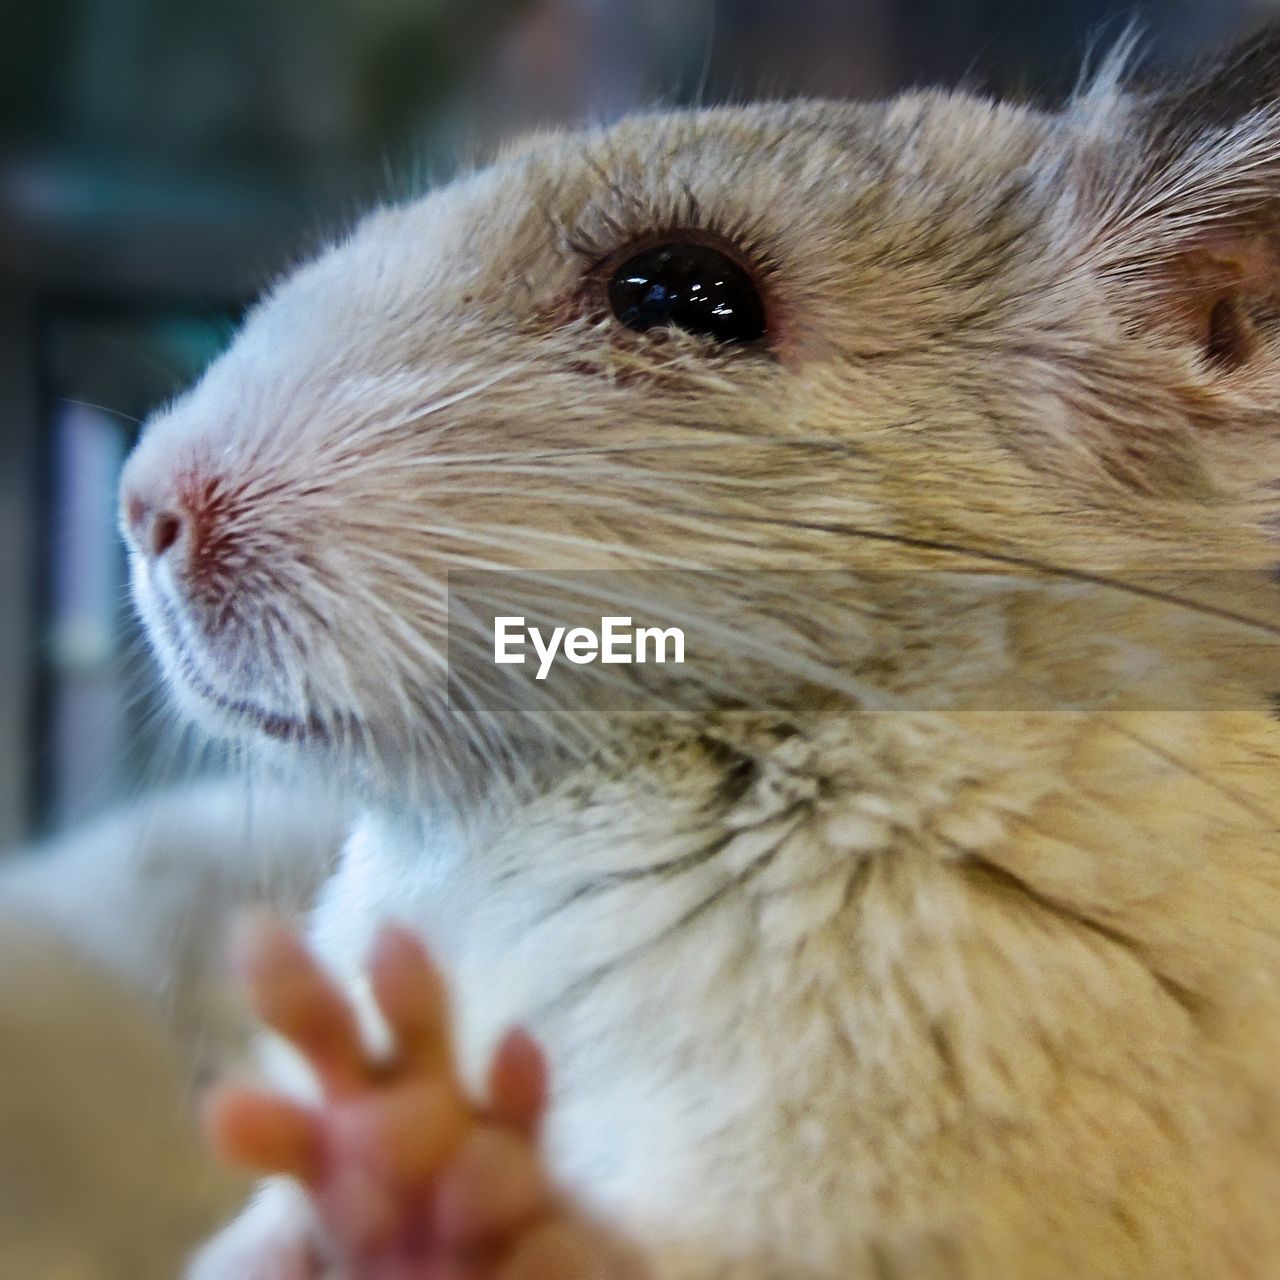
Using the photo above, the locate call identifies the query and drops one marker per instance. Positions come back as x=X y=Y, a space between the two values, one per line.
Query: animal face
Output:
x=934 y=333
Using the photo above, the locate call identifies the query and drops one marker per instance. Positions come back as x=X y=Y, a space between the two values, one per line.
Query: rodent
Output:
x=828 y=989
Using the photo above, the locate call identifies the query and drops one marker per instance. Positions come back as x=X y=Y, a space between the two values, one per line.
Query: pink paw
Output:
x=408 y=1177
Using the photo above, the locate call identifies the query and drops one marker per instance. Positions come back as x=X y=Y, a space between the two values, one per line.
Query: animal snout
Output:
x=178 y=521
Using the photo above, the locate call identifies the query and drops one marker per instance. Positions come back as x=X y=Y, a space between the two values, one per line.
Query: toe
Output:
x=292 y=994
x=263 y=1133
x=412 y=996
x=518 y=1083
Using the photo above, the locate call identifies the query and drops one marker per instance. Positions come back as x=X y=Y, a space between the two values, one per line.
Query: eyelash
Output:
x=600 y=235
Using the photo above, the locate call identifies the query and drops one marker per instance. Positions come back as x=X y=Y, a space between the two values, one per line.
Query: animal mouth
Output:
x=276 y=725
x=273 y=724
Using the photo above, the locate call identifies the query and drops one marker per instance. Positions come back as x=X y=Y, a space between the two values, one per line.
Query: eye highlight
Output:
x=690 y=286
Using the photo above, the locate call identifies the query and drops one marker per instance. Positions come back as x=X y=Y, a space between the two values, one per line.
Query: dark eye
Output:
x=694 y=287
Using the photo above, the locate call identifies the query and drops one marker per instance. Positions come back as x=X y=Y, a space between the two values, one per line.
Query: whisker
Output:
x=1017 y=561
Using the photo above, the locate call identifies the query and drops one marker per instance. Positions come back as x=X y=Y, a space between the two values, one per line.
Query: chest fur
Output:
x=906 y=972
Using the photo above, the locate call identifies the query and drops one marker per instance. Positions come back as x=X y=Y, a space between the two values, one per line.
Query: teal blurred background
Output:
x=161 y=159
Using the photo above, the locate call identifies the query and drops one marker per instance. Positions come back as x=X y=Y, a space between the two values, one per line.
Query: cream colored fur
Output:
x=888 y=970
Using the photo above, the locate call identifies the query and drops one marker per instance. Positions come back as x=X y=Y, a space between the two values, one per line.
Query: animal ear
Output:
x=1182 y=185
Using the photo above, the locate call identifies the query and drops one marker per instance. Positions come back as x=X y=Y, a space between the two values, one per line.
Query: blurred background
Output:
x=160 y=160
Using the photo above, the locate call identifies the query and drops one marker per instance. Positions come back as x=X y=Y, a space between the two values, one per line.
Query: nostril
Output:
x=166 y=529
x=154 y=532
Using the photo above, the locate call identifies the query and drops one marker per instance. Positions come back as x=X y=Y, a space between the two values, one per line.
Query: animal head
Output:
x=936 y=333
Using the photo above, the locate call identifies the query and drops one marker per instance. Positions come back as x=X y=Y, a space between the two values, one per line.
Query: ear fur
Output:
x=1180 y=188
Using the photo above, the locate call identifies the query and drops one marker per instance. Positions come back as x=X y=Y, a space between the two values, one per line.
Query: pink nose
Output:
x=155 y=532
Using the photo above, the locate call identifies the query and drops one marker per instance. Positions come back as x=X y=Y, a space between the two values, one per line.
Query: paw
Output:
x=408 y=1177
